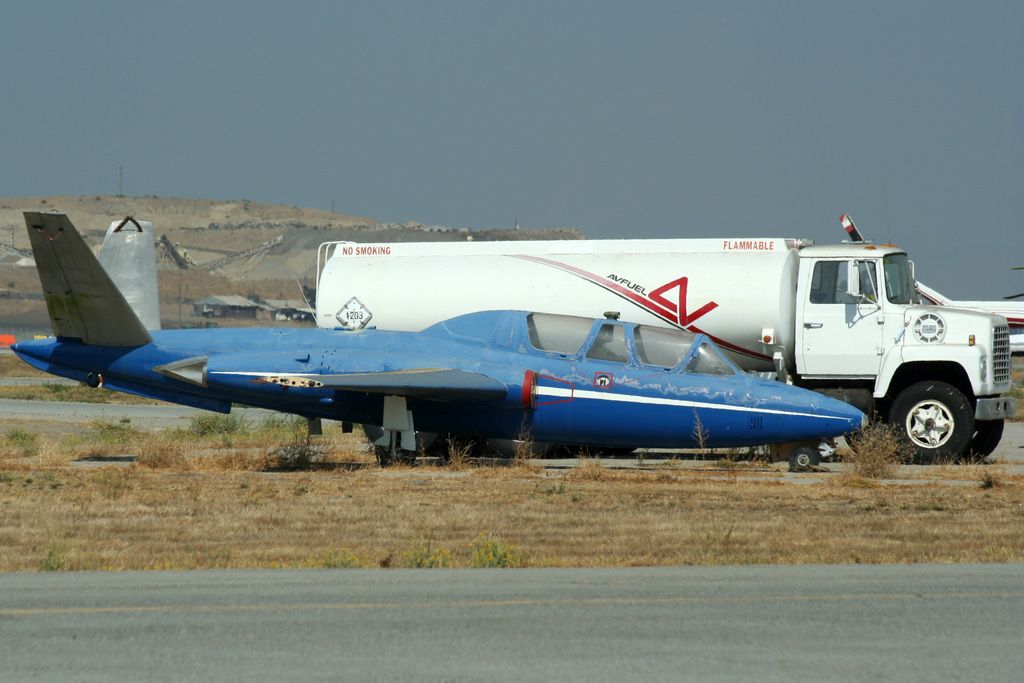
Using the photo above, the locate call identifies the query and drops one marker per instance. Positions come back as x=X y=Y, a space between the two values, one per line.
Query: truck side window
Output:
x=664 y=348
x=708 y=361
x=558 y=333
x=828 y=283
x=610 y=344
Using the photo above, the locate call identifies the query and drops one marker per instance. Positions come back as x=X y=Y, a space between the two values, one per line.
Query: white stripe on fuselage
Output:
x=254 y=373
x=559 y=392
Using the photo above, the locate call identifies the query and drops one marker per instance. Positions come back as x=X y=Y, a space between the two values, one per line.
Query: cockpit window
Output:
x=610 y=344
x=661 y=347
x=557 y=333
x=708 y=361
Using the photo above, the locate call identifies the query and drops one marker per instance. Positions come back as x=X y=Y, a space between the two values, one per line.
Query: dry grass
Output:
x=80 y=393
x=12 y=366
x=209 y=496
x=219 y=512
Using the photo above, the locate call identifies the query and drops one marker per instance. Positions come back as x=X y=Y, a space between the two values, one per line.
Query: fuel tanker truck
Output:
x=842 y=319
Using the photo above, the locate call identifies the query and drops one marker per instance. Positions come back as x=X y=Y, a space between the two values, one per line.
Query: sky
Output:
x=639 y=119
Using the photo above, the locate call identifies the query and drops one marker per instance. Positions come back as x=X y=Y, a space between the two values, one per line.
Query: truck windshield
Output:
x=899 y=283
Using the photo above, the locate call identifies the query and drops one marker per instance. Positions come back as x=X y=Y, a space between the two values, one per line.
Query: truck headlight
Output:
x=983 y=367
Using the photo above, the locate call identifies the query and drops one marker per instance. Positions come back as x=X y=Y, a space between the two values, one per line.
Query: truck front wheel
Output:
x=936 y=419
x=986 y=438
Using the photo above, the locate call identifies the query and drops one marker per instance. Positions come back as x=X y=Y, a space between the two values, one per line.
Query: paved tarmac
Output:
x=891 y=623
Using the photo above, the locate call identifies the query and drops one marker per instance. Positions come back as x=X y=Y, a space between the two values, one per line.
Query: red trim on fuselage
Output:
x=651 y=307
x=529 y=380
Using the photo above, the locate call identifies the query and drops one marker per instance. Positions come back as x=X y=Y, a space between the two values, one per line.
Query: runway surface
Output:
x=892 y=623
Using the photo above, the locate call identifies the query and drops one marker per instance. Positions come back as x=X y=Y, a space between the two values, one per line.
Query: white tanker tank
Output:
x=839 y=318
x=408 y=286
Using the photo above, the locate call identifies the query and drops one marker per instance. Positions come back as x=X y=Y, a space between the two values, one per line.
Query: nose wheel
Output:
x=804 y=458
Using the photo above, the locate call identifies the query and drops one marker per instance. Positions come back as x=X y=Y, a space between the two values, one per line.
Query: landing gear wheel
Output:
x=804 y=458
x=393 y=454
x=986 y=437
x=383 y=454
x=936 y=419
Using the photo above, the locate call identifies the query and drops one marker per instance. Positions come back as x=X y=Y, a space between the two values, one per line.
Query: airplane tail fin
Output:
x=82 y=300
x=128 y=255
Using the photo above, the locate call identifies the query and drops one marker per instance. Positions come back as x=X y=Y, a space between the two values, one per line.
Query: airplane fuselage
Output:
x=553 y=397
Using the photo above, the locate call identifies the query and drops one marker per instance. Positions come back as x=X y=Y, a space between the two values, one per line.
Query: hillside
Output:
x=168 y=214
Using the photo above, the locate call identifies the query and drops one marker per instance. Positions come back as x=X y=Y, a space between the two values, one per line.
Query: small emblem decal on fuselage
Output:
x=603 y=380
x=354 y=315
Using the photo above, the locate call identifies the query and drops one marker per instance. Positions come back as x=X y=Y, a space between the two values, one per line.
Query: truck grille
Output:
x=1001 y=355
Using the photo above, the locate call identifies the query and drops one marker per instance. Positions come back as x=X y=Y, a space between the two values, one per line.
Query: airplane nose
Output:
x=844 y=411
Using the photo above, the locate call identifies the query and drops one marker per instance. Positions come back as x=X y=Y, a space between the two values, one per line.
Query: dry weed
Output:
x=876 y=451
x=990 y=479
x=114 y=481
x=456 y=453
x=238 y=460
x=54 y=453
x=700 y=434
x=157 y=453
x=589 y=468
x=426 y=556
x=488 y=552
x=523 y=453
x=19 y=443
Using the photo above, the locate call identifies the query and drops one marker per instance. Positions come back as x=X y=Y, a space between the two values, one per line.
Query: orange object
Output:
x=6 y=340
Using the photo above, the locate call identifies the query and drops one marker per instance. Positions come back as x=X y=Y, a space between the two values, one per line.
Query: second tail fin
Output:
x=128 y=255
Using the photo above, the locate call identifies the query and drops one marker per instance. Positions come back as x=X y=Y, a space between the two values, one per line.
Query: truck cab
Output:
x=935 y=372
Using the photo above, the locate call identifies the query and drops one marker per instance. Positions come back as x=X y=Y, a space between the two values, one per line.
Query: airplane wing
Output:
x=433 y=384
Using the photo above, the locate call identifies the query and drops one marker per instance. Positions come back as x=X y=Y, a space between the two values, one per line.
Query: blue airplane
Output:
x=493 y=374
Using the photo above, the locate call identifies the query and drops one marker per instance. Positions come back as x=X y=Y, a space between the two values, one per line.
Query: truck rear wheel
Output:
x=936 y=419
x=986 y=438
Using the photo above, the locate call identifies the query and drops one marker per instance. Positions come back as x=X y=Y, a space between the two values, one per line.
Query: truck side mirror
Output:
x=860 y=282
x=853 y=280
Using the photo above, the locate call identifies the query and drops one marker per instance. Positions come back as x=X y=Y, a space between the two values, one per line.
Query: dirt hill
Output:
x=168 y=214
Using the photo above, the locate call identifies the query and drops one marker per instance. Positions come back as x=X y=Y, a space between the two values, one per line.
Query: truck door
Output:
x=839 y=333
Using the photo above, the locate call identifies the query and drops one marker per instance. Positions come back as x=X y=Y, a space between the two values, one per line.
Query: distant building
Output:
x=230 y=306
x=289 y=309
